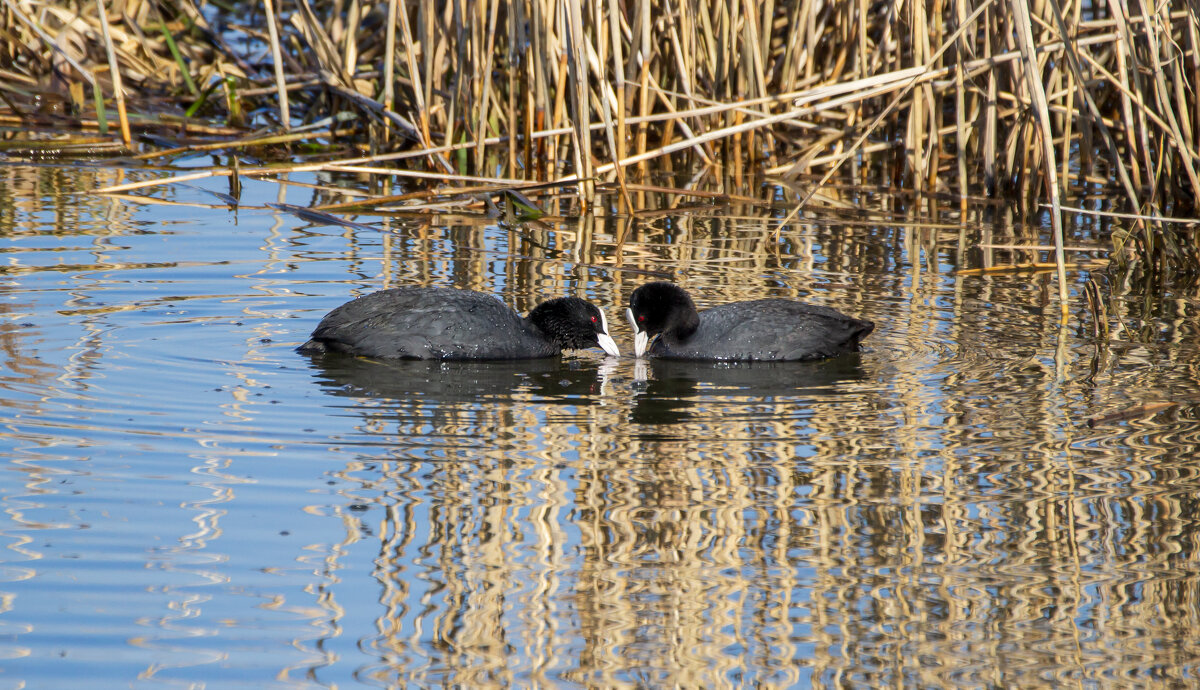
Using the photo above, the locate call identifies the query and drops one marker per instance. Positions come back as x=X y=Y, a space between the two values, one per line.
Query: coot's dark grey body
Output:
x=444 y=323
x=759 y=330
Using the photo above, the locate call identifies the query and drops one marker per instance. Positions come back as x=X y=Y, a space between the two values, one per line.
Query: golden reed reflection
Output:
x=702 y=534
x=934 y=516
x=557 y=561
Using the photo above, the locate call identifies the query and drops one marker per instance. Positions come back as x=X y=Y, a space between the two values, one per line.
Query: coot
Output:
x=765 y=329
x=444 y=323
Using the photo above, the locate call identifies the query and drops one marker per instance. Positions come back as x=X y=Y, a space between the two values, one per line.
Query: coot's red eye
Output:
x=593 y=319
x=642 y=317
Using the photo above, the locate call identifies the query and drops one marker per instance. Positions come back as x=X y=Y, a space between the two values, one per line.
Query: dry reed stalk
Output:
x=530 y=97
x=513 y=87
x=580 y=111
x=1138 y=144
x=243 y=143
x=907 y=85
x=1162 y=95
x=713 y=135
x=324 y=49
x=418 y=90
x=432 y=52
x=187 y=177
x=485 y=91
x=1024 y=30
x=349 y=39
x=422 y=175
x=1193 y=41
x=1093 y=113
x=285 y=117
x=616 y=143
x=643 y=19
x=557 y=113
x=1131 y=216
x=960 y=108
x=663 y=77
x=1068 y=119
x=990 y=112
x=389 y=69
x=310 y=167
x=543 y=101
x=914 y=136
x=49 y=41
x=114 y=70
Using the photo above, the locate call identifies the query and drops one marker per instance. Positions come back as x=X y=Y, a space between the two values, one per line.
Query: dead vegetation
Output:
x=1028 y=101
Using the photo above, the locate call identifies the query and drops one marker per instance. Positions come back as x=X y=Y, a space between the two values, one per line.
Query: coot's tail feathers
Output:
x=827 y=337
x=864 y=328
x=850 y=332
x=313 y=347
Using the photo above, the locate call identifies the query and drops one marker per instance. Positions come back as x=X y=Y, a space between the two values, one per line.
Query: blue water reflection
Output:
x=189 y=500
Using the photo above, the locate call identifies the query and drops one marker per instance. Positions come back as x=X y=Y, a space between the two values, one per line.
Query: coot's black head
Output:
x=660 y=308
x=573 y=324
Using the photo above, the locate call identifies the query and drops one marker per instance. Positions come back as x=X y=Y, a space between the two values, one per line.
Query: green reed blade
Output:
x=98 y=99
x=183 y=68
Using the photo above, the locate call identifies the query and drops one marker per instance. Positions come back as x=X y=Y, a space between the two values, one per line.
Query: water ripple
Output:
x=188 y=500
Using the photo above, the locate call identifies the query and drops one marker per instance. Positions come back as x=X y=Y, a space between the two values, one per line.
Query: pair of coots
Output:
x=443 y=323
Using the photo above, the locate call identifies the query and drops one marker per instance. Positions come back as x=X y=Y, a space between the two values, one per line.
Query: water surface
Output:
x=189 y=501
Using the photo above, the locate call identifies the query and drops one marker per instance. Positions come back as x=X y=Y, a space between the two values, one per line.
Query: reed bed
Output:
x=1026 y=101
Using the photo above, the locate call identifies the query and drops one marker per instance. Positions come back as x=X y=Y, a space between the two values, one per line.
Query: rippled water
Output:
x=189 y=501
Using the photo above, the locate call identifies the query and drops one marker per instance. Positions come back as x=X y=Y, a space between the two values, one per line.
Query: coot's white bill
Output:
x=641 y=340
x=608 y=344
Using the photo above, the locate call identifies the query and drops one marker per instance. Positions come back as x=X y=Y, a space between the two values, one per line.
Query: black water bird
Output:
x=450 y=324
x=758 y=330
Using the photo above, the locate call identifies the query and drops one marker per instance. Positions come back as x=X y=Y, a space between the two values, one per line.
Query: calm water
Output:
x=187 y=501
